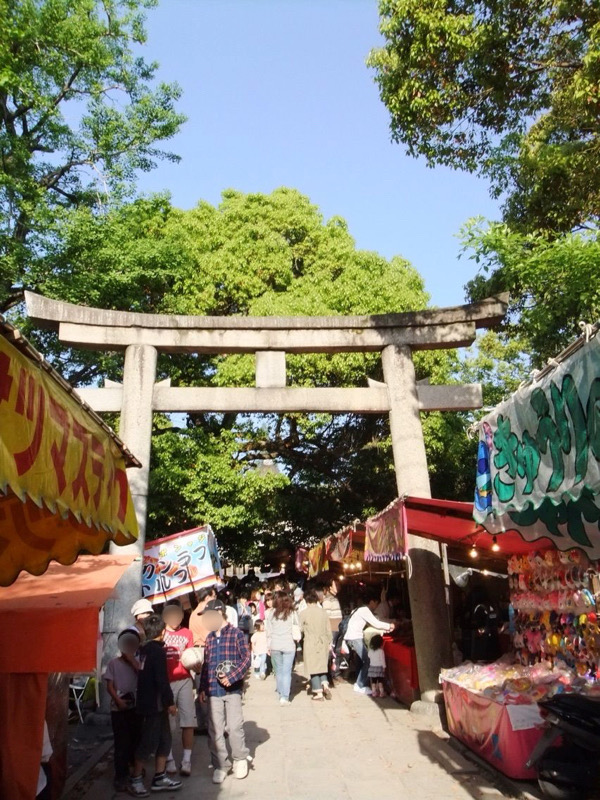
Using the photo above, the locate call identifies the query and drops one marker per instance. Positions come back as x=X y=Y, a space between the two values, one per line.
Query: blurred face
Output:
x=128 y=644
x=173 y=616
x=213 y=620
x=269 y=600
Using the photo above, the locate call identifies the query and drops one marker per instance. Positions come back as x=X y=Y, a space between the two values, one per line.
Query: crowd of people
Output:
x=190 y=667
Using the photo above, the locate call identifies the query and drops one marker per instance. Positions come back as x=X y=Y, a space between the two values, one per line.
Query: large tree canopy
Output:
x=80 y=113
x=255 y=478
x=507 y=88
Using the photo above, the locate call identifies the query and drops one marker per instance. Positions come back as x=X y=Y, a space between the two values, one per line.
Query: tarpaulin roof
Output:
x=63 y=484
x=49 y=622
x=451 y=522
x=538 y=458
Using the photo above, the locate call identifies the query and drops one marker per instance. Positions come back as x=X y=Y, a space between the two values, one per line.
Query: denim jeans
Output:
x=260 y=663
x=317 y=681
x=360 y=648
x=283 y=663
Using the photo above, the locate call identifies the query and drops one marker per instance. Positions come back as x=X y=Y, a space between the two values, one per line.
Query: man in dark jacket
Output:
x=154 y=702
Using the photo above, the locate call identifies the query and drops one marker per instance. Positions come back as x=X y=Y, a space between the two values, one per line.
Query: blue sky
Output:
x=277 y=94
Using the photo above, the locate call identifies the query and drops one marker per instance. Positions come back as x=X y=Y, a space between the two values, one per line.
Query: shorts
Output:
x=183 y=693
x=155 y=739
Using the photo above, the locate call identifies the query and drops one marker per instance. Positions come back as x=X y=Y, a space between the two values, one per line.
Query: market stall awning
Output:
x=63 y=481
x=451 y=522
x=538 y=458
x=50 y=622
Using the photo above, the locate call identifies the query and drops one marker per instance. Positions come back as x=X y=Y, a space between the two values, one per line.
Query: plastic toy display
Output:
x=554 y=597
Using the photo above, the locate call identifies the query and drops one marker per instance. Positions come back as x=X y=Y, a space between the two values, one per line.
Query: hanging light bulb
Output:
x=473 y=552
x=495 y=545
x=358 y=565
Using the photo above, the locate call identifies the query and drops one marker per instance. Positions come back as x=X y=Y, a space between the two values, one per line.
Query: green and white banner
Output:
x=538 y=459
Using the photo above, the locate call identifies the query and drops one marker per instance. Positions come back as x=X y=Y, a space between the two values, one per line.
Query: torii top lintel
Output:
x=98 y=328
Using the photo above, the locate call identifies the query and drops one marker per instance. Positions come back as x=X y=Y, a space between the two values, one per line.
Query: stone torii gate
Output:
x=395 y=336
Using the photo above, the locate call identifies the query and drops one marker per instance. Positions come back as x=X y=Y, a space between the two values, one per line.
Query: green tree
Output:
x=254 y=254
x=80 y=113
x=553 y=283
x=506 y=88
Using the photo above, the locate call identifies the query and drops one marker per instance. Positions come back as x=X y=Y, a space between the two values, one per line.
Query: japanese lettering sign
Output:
x=538 y=461
x=178 y=564
x=53 y=452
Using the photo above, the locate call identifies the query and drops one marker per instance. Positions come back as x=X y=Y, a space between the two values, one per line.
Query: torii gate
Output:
x=395 y=336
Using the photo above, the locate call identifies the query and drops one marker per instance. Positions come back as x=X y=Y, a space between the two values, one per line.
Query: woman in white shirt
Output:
x=359 y=620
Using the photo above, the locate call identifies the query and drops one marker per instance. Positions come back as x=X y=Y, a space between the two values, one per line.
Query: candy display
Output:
x=513 y=683
x=554 y=597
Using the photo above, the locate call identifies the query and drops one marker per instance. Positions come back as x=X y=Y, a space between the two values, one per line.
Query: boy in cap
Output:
x=226 y=661
x=178 y=639
x=121 y=683
x=154 y=703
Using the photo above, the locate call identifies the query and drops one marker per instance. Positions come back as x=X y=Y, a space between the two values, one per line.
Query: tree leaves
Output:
x=79 y=115
x=508 y=89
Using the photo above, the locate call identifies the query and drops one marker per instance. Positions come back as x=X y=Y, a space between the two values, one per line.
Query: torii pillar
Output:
x=135 y=428
x=431 y=624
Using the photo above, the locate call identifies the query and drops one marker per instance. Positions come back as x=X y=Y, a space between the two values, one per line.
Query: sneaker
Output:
x=326 y=691
x=256 y=676
x=186 y=768
x=283 y=701
x=136 y=788
x=263 y=676
x=362 y=690
x=240 y=769
x=171 y=767
x=219 y=776
x=165 y=784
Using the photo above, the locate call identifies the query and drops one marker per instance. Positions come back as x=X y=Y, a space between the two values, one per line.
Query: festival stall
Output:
x=538 y=481
x=178 y=564
x=371 y=551
x=63 y=491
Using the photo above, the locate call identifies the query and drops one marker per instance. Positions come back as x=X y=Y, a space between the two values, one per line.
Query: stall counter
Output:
x=504 y=735
x=401 y=665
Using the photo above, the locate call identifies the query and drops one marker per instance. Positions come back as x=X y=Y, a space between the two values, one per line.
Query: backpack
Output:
x=342 y=630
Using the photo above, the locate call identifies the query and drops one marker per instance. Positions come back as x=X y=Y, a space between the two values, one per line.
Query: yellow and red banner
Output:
x=58 y=460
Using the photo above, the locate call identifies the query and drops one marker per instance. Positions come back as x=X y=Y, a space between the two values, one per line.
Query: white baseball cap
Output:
x=141 y=607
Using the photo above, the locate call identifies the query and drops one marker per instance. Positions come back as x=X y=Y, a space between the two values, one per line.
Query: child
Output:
x=226 y=661
x=259 y=650
x=254 y=615
x=377 y=666
x=154 y=703
x=178 y=639
x=121 y=678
